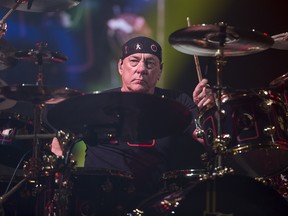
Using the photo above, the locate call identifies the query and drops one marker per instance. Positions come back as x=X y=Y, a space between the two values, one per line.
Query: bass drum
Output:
x=228 y=195
x=255 y=125
x=102 y=192
x=12 y=149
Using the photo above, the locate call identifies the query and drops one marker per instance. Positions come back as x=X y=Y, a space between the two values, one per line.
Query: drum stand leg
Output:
x=10 y=193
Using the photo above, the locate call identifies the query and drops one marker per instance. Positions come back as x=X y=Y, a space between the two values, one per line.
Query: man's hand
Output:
x=202 y=94
x=56 y=147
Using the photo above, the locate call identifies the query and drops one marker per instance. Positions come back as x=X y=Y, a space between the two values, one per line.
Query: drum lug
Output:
x=220 y=143
x=269 y=131
x=266 y=105
x=138 y=212
x=221 y=171
x=199 y=133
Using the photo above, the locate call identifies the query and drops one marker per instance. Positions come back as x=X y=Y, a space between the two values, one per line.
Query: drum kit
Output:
x=245 y=133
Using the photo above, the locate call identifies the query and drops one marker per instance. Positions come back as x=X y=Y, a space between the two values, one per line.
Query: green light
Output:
x=79 y=153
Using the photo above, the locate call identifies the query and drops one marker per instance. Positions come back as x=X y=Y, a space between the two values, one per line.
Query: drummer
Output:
x=140 y=68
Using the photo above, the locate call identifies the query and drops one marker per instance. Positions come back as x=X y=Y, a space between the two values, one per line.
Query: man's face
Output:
x=140 y=72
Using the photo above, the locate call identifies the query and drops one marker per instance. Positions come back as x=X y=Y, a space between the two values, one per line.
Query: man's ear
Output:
x=120 y=65
x=161 y=70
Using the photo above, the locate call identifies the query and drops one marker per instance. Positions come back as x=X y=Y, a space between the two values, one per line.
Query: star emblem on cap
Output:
x=138 y=46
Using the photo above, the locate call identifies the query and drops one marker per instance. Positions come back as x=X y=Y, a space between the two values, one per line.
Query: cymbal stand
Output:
x=47 y=165
x=38 y=107
x=220 y=143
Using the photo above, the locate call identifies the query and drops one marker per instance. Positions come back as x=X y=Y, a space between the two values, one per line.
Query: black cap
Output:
x=141 y=45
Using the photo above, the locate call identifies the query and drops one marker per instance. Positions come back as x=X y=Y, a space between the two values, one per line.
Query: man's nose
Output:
x=141 y=67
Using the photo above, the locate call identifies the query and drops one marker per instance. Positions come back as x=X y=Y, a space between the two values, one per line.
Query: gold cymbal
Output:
x=46 y=57
x=37 y=94
x=6 y=55
x=280 y=41
x=41 y=5
x=207 y=39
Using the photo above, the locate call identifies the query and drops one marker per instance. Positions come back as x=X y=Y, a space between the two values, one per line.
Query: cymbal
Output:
x=6 y=55
x=47 y=57
x=280 y=41
x=37 y=94
x=4 y=102
x=131 y=116
x=204 y=40
x=41 y=5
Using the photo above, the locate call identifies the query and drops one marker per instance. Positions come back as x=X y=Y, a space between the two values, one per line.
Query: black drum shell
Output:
x=256 y=127
x=101 y=191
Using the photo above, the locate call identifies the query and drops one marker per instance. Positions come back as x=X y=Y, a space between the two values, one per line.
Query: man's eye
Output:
x=150 y=64
x=133 y=60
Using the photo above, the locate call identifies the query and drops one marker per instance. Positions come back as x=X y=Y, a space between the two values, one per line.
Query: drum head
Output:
x=229 y=195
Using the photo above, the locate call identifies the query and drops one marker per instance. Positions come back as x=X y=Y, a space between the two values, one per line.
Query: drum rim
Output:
x=83 y=171
x=240 y=148
x=262 y=94
x=200 y=173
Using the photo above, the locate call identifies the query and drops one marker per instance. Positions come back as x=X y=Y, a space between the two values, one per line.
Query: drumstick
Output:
x=198 y=69
x=196 y=59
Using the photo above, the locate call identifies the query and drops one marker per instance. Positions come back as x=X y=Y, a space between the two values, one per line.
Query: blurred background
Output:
x=91 y=34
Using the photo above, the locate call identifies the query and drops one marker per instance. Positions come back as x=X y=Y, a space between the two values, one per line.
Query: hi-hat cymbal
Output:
x=6 y=55
x=280 y=41
x=41 y=5
x=37 y=94
x=133 y=116
x=205 y=40
x=47 y=57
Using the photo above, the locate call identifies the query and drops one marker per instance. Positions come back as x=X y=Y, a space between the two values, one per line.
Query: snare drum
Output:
x=11 y=125
x=256 y=126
